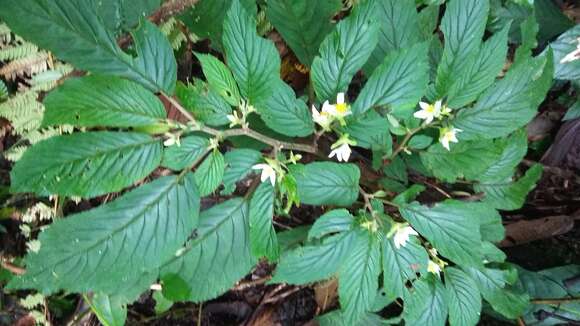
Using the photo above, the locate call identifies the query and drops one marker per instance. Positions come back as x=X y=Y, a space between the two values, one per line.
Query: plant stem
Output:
x=222 y=134
x=404 y=142
x=555 y=301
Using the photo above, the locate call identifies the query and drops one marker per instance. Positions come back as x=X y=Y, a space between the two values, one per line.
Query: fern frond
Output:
x=30 y=65
x=3 y=91
x=5 y=35
x=48 y=80
x=14 y=153
x=23 y=111
x=19 y=51
x=171 y=30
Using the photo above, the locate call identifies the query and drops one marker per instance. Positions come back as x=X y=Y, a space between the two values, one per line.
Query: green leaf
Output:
x=239 y=164
x=219 y=255
x=336 y=318
x=369 y=130
x=401 y=265
x=573 y=112
x=490 y=224
x=409 y=194
x=334 y=221
x=97 y=250
x=291 y=238
x=420 y=142
x=110 y=310
x=564 y=45
x=492 y=253
x=207 y=106
x=464 y=160
x=313 y=263
x=263 y=238
x=345 y=51
x=486 y=64
x=89 y=44
x=162 y=304
x=399 y=29
x=285 y=114
x=358 y=277
x=254 y=61
x=220 y=78
x=190 y=150
x=552 y=20
x=463 y=297
x=449 y=227
x=175 y=288
x=514 y=149
x=426 y=304
x=530 y=29
x=303 y=24
x=509 y=194
x=398 y=83
x=509 y=104
x=463 y=26
x=94 y=101
x=210 y=173
x=428 y=20
x=491 y=284
x=325 y=183
x=86 y=164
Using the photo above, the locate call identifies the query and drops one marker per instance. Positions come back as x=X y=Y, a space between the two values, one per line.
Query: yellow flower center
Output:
x=342 y=108
x=430 y=108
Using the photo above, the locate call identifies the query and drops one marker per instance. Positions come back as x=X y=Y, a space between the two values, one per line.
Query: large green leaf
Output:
x=426 y=303
x=551 y=19
x=314 y=263
x=464 y=160
x=463 y=296
x=508 y=194
x=254 y=61
x=115 y=243
x=345 y=51
x=398 y=83
x=514 y=149
x=239 y=164
x=206 y=105
x=89 y=44
x=86 y=164
x=210 y=173
x=334 y=221
x=219 y=255
x=263 y=240
x=190 y=149
x=449 y=227
x=358 y=277
x=492 y=284
x=220 y=78
x=565 y=44
x=285 y=114
x=325 y=183
x=484 y=66
x=399 y=29
x=463 y=26
x=509 y=104
x=102 y=101
x=369 y=130
x=401 y=265
x=110 y=310
x=303 y=24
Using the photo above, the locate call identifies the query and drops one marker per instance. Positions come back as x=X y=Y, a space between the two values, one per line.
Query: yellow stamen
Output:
x=430 y=109
x=341 y=107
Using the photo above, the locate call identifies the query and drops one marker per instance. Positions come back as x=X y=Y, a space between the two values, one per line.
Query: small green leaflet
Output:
x=115 y=243
x=335 y=221
x=190 y=149
x=210 y=173
x=510 y=103
x=508 y=194
x=86 y=164
x=303 y=24
x=206 y=105
x=463 y=26
x=89 y=44
x=102 y=101
x=399 y=29
x=358 y=277
x=219 y=255
x=110 y=310
x=239 y=164
x=254 y=61
x=398 y=83
x=220 y=78
x=463 y=297
x=263 y=238
x=401 y=265
x=345 y=51
x=449 y=227
x=326 y=183
x=426 y=303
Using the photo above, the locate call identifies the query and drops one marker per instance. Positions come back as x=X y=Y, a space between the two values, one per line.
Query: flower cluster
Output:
x=430 y=112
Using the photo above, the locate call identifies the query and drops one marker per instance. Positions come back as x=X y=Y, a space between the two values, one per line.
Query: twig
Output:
x=12 y=268
x=248 y=284
x=404 y=142
x=199 y=311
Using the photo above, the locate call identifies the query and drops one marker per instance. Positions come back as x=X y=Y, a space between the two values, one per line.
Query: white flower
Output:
x=235 y=119
x=428 y=111
x=447 y=135
x=33 y=246
x=172 y=140
x=342 y=153
x=267 y=172
x=402 y=235
x=156 y=287
x=433 y=267
x=340 y=110
x=323 y=119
